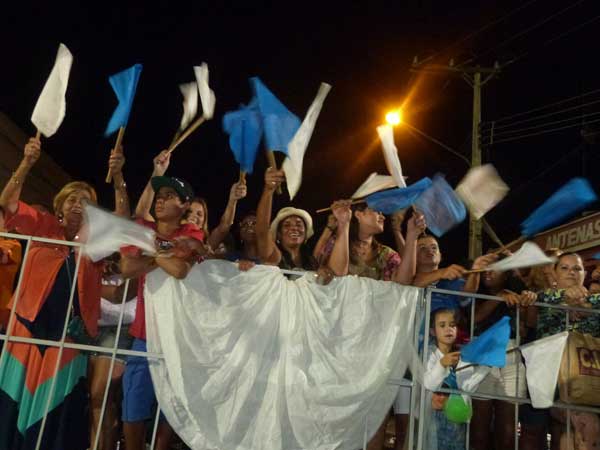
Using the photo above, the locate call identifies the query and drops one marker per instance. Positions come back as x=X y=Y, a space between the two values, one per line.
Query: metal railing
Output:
x=416 y=431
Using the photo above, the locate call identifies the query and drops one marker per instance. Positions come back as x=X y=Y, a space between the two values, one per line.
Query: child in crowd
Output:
x=442 y=363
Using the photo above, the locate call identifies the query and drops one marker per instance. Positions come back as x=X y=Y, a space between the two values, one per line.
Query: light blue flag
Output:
x=392 y=200
x=441 y=206
x=279 y=123
x=124 y=84
x=245 y=130
x=489 y=348
x=567 y=201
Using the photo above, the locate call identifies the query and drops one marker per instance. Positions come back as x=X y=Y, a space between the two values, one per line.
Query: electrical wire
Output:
x=514 y=138
x=521 y=33
x=541 y=108
x=542 y=125
x=478 y=31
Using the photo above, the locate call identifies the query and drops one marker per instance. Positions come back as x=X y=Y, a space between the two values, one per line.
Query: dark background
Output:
x=364 y=50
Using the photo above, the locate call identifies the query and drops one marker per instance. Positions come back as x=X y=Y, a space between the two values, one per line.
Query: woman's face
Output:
x=196 y=215
x=428 y=252
x=292 y=232
x=493 y=280
x=370 y=221
x=248 y=229
x=72 y=207
x=569 y=272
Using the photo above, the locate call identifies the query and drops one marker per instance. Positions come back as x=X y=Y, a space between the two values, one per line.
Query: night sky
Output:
x=364 y=52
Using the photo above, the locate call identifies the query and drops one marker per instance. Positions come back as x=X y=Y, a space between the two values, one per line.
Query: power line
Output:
x=506 y=133
x=550 y=41
x=514 y=138
x=521 y=33
x=540 y=108
x=493 y=130
x=480 y=30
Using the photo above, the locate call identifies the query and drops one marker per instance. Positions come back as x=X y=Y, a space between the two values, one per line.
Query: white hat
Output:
x=288 y=211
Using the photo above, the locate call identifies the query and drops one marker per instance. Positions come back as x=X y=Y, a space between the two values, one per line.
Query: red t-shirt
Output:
x=138 y=327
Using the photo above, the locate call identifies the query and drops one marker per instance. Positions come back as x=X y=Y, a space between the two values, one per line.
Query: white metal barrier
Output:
x=423 y=316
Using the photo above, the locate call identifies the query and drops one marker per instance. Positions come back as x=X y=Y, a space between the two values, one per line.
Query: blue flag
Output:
x=567 y=201
x=489 y=348
x=279 y=123
x=441 y=206
x=392 y=200
x=244 y=128
x=124 y=84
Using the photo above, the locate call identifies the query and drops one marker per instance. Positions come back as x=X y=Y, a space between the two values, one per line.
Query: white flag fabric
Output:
x=189 y=91
x=254 y=360
x=207 y=96
x=51 y=106
x=292 y=165
x=390 y=153
x=542 y=359
x=481 y=189
x=374 y=183
x=107 y=233
x=528 y=255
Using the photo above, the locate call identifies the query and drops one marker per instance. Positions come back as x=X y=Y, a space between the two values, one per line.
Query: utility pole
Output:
x=473 y=76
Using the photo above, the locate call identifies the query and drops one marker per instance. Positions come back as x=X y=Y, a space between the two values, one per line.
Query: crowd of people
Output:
x=52 y=274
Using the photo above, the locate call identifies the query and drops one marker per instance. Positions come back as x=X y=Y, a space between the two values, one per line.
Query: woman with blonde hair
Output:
x=28 y=371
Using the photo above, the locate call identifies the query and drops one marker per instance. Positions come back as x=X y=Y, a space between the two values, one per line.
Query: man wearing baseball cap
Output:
x=175 y=244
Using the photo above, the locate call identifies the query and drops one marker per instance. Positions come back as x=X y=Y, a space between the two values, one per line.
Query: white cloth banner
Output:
x=292 y=165
x=189 y=91
x=105 y=233
x=207 y=95
x=527 y=256
x=254 y=360
x=481 y=189
x=51 y=106
x=542 y=359
x=390 y=153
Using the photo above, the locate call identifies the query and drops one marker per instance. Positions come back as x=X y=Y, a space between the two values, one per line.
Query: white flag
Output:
x=50 y=108
x=292 y=165
x=190 y=103
x=207 y=96
x=481 y=189
x=542 y=359
x=107 y=233
x=374 y=183
x=390 y=153
x=527 y=256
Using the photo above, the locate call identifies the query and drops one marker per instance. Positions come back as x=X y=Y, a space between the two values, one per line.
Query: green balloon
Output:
x=457 y=410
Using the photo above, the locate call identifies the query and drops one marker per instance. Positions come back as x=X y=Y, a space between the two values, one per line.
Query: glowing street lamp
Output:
x=394 y=117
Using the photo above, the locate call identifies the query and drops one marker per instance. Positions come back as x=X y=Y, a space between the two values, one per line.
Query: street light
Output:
x=394 y=117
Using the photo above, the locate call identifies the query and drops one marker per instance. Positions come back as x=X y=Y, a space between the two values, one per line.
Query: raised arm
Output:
x=325 y=235
x=161 y=164
x=237 y=192
x=339 y=260
x=451 y=272
x=9 y=199
x=115 y=164
x=397 y=219
x=267 y=250
x=406 y=271
x=472 y=281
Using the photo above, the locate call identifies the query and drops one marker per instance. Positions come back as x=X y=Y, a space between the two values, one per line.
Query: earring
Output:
x=60 y=217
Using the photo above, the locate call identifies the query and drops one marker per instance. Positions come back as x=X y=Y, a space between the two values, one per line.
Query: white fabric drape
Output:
x=256 y=361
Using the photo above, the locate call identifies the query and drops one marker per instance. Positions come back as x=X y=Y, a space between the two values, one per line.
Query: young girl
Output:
x=442 y=362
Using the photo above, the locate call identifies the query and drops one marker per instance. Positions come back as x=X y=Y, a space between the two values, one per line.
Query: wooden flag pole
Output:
x=108 y=178
x=273 y=164
x=510 y=244
x=242 y=177
x=199 y=121
x=354 y=202
x=38 y=134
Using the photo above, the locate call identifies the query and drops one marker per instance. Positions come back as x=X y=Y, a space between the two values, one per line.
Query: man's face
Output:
x=168 y=204
x=428 y=252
